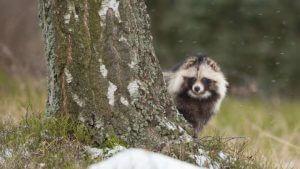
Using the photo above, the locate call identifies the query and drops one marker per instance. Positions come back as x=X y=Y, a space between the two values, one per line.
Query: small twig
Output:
x=223 y=138
x=235 y=138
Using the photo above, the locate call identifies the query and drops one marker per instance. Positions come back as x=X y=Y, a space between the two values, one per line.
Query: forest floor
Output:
x=268 y=127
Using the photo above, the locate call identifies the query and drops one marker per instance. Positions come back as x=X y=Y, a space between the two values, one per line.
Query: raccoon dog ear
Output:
x=190 y=61
x=213 y=64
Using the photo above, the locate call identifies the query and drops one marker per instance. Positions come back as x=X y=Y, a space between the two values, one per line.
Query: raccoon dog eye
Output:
x=189 y=78
x=206 y=81
x=192 y=79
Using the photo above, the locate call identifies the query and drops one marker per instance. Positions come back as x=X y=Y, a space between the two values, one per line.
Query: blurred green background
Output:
x=256 y=42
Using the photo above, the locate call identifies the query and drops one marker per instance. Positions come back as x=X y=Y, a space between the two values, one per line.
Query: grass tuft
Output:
x=40 y=142
x=233 y=153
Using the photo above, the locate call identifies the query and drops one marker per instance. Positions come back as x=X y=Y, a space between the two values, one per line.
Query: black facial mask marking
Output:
x=191 y=81
x=206 y=81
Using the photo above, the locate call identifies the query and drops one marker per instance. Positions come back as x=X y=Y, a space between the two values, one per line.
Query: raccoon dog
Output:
x=198 y=87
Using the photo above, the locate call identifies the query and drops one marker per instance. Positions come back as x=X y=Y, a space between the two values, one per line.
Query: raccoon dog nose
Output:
x=197 y=89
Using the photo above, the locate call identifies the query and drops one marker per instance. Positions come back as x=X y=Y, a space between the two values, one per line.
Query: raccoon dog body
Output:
x=198 y=87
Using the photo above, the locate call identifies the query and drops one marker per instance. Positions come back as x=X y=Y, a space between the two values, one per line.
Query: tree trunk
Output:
x=103 y=71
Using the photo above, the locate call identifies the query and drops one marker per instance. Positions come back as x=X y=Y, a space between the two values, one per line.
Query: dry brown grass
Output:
x=272 y=128
x=20 y=96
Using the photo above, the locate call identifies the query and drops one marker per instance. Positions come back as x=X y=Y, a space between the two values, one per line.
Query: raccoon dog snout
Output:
x=198 y=88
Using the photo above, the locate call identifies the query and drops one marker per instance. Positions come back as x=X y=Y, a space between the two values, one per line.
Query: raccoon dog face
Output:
x=198 y=77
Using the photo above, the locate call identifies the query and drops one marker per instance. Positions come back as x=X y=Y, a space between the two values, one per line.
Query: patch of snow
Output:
x=111 y=93
x=133 y=88
x=203 y=160
x=109 y=4
x=115 y=150
x=68 y=75
x=8 y=153
x=94 y=152
x=138 y=158
x=124 y=101
x=104 y=153
x=222 y=155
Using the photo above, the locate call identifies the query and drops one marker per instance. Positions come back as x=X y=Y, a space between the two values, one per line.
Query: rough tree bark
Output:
x=103 y=71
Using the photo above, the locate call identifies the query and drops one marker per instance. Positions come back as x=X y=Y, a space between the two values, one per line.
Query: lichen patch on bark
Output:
x=67 y=18
x=109 y=4
x=124 y=101
x=103 y=69
x=133 y=88
x=68 y=75
x=170 y=125
x=70 y=11
x=79 y=101
x=111 y=93
x=123 y=39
